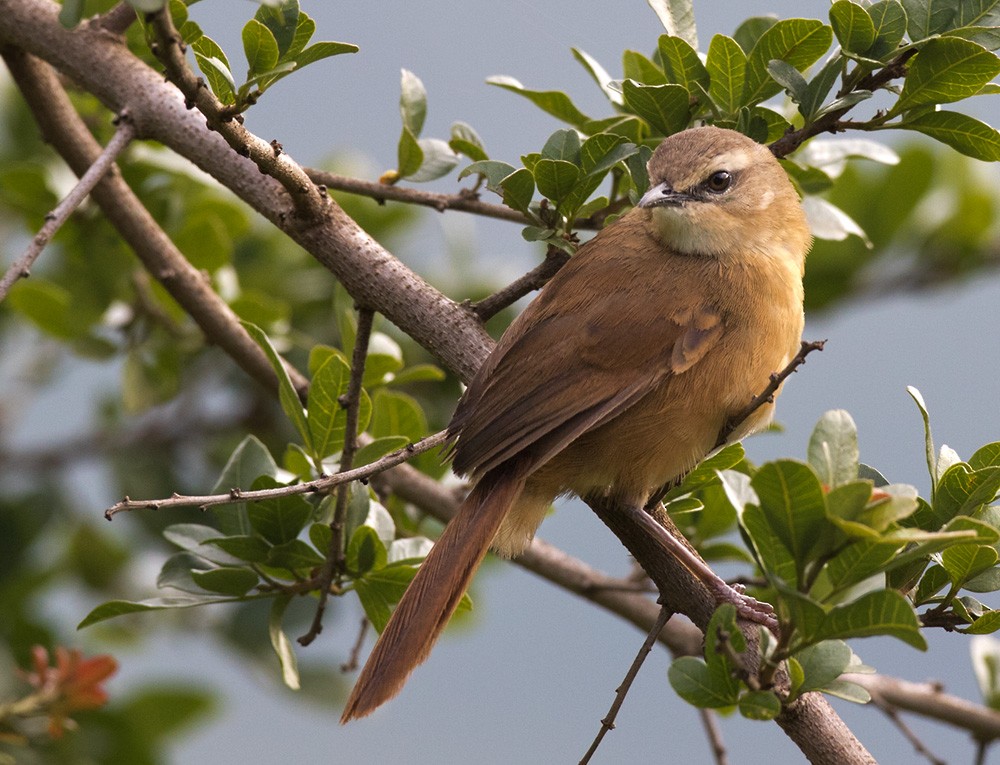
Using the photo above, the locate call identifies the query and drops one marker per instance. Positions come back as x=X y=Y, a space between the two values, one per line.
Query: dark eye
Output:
x=719 y=181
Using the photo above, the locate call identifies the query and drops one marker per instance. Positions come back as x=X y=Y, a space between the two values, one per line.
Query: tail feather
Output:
x=434 y=594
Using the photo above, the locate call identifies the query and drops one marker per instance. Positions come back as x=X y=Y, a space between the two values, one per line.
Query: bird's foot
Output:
x=747 y=607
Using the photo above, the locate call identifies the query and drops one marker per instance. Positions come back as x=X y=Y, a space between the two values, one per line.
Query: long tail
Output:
x=434 y=593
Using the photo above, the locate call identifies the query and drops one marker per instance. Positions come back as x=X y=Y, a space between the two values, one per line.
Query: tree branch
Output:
x=536 y=278
x=334 y=564
x=21 y=268
x=63 y=128
x=318 y=486
x=608 y=723
x=309 y=201
x=465 y=200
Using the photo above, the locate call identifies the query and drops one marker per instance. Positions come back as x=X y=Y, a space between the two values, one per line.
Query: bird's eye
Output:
x=719 y=181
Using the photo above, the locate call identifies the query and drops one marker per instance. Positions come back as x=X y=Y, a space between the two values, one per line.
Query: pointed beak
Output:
x=662 y=195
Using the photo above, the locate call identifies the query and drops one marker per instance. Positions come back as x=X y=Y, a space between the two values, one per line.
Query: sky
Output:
x=531 y=679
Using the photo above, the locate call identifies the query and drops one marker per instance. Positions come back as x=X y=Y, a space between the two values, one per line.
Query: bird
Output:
x=621 y=373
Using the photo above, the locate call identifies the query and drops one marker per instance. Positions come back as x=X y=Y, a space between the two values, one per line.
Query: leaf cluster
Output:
x=845 y=554
x=256 y=550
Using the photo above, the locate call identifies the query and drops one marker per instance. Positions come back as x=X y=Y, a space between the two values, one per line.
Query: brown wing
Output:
x=601 y=335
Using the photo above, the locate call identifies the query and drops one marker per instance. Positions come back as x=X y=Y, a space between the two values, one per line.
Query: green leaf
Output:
x=260 y=48
x=805 y=613
x=294 y=556
x=438 y=160
x=726 y=64
x=278 y=520
x=665 y=107
x=799 y=42
x=72 y=11
x=792 y=500
x=752 y=29
x=856 y=563
x=889 y=19
x=846 y=506
x=465 y=140
x=409 y=154
x=378 y=448
x=327 y=419
x=692 y=680
x=852 y=25
x=281 y=644
x=188 y=536
x=599 y=73
x=226 y=580
x=681 y=64
x=517 y=189
x=47 y=305
x=927 y=17
x=789 y=78
x=931 y=583
x=319 y=51
x=563 y=144
x=365 y=551
x=381 y=589
x=215 y=66
x=884 y=612
x=823 y=663
x=848 y=691
x=978 y=12
x=759 y=705
x=677 y=17
x=986 y=456
x=962 y=491
x=248 y=461
x=946 y=69
x=114 y=608
x=286 y=23
x=397 y=414
x=412 y=102
x=707 y=471
x=555 y=178
x=986 y=624
x=637 y=67
x=291 y=405
x=959 y=131
x=820 y=86
x=249 y=548
x=553 y=102
x=963 y=562
x=418 y=373
x=988 y=37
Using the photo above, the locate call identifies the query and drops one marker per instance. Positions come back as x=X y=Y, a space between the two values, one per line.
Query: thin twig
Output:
x=767 y=395
x=318 y=486
x=21 y=268
x=608 y=723
x=351 y=401
x=893 y=714
x=555 y=259
x=465 y=201
x=830 y=122
x=355 y=658
x=310 y=202
x=714 y=733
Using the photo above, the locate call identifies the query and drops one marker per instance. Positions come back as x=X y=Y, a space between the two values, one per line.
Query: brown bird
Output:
x=620 y=375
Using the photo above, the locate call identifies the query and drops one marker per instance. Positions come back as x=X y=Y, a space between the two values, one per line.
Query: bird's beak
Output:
x=662 y=195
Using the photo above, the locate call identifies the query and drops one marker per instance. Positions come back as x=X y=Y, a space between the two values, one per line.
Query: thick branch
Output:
x=99 y=63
